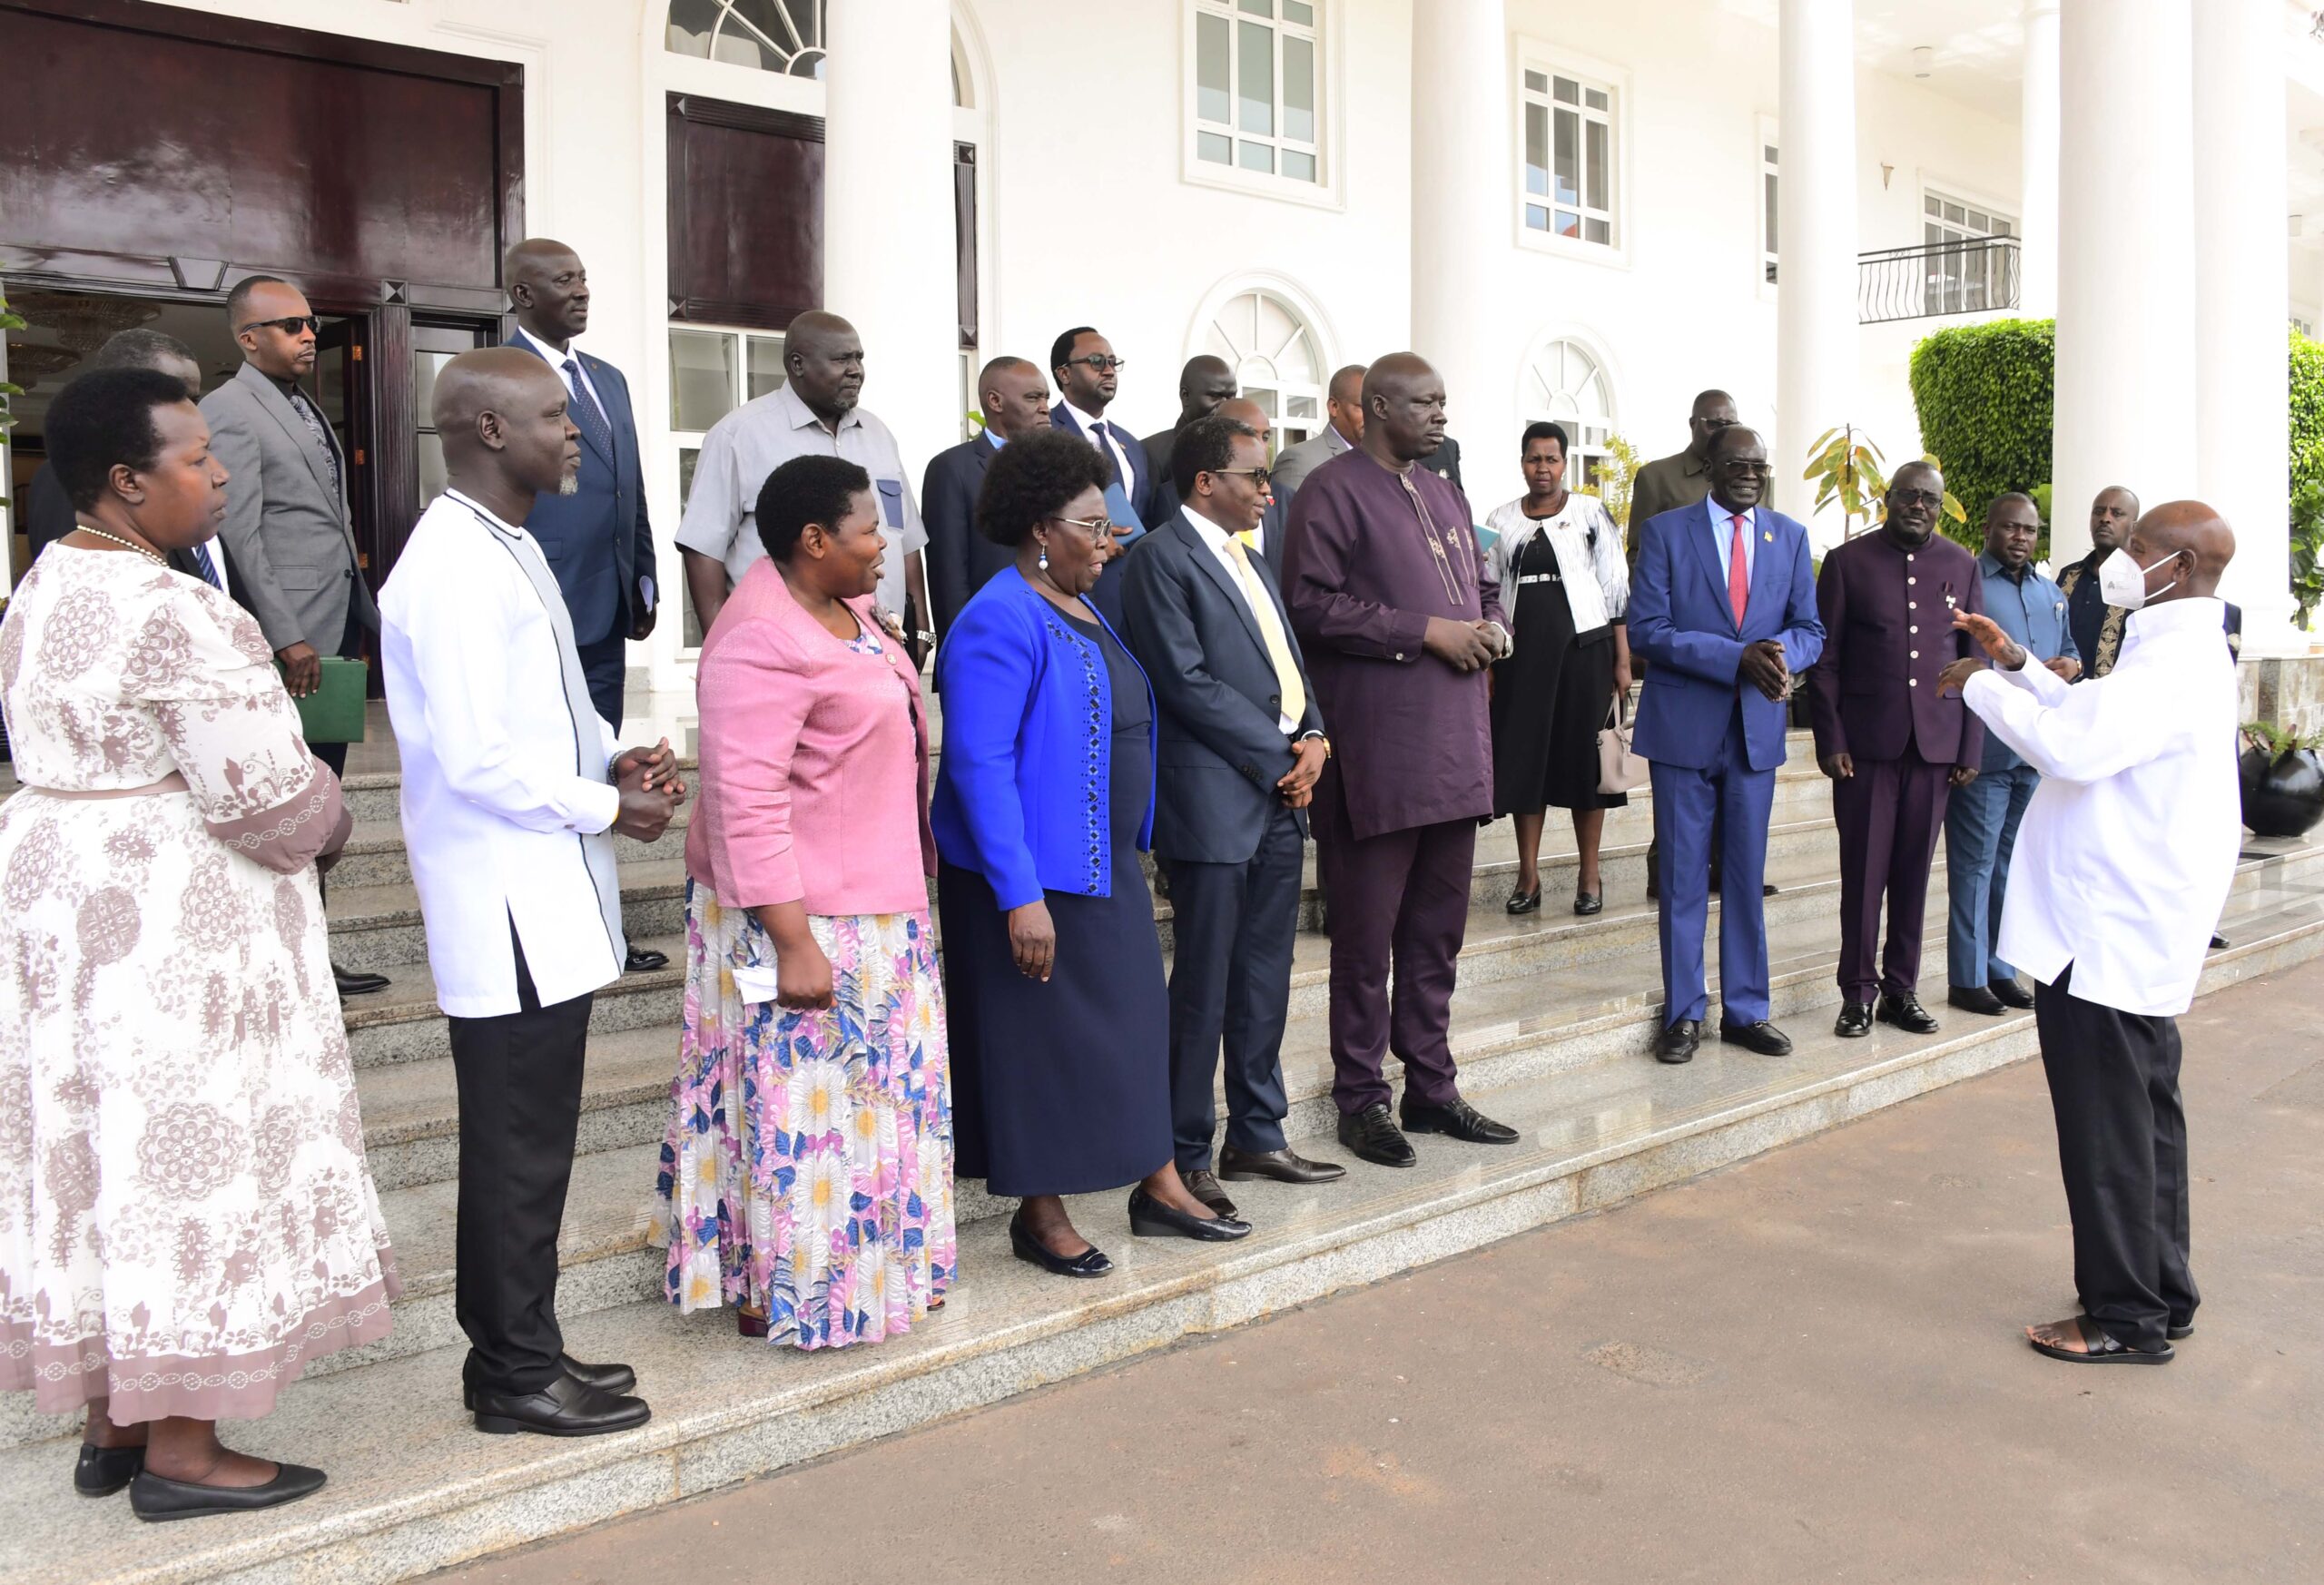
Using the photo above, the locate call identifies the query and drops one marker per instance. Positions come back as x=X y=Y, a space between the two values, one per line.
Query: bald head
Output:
x=2193 y=540
x=500 y=412
x=824 y=358
x=1403 y=409
x=1204 y=383
x=1016 y=397
x=1713 y=410
x=548 y=288
x=1243 y=411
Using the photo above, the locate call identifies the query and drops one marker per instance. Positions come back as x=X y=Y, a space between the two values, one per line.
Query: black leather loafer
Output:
x=1854 y=1022
x=1280 y=1166
x=1373 y=1136
x=1524 y=901
x=645 y=961
x=1150 y=1219
x=1906 y=1013
x=606 y=1378
x=1586 y=903
x=100 y=1472
x=1091 y=1262
x=1457 y=1119
x=2011 y=993
x=1677 y=1041
x=1761 y=1037
x=1974 y=998
x=355 y=982
x=563 y=1407
x=155 y=1497
x=1205 y=1187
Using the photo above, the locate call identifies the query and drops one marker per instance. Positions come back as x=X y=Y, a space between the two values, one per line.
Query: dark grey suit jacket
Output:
x=1221 y=746
x=958 y=558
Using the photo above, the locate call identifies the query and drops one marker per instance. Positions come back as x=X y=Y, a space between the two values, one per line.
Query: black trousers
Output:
x=519 y=1078
x=606 y=666
x=2122 y=1147
x=1230 y=981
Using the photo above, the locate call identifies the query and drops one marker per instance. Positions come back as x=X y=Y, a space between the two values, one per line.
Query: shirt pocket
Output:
x=891 y=502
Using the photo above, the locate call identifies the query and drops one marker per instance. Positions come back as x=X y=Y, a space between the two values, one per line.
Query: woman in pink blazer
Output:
x=807 y=1173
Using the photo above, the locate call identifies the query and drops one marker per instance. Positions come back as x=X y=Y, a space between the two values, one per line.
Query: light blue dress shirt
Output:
x=1722 y=538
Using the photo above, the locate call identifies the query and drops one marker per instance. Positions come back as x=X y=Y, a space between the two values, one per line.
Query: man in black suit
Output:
x=1268 y=540
x=1241 y=744
x=1016 y=405
x=1444 y=462
x=1204 y=383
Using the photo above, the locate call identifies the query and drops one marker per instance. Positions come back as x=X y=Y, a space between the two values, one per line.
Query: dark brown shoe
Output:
x=1205 y=1187
x=1280 y=1166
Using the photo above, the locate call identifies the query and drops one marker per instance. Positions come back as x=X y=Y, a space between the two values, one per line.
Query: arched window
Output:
x=782 y=36
x=1567 y=385
x=1275 y=360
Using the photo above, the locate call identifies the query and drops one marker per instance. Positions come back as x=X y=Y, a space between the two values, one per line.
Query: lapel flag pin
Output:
x=1769 y=536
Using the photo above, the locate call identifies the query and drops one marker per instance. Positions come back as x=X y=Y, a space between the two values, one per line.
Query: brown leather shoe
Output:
x=1280 y=1166
x=1205 y=1187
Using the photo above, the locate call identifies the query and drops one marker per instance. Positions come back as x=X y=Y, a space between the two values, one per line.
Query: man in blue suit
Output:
x=1723 y=606
x=1087 y=377
x=596 y=538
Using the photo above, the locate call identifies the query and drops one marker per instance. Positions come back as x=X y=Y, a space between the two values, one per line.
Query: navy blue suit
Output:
x=597 y=539
x=960 y=560
x=1138 y=489
x=1714 y=741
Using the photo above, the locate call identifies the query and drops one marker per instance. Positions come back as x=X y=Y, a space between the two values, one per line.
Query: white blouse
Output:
x=1589 y=547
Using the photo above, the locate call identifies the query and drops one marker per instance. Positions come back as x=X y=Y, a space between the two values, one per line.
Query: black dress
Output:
x=1550 y=697
x=1064 y=1088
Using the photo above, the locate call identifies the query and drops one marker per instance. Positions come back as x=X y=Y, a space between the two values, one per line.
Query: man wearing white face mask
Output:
x=2125 y=858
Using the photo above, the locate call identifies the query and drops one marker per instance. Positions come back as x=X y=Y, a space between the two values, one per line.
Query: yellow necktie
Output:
x=1286 y=670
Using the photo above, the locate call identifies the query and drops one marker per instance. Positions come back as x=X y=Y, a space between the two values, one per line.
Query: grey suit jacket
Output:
x=286 y=527
x=1294 y=463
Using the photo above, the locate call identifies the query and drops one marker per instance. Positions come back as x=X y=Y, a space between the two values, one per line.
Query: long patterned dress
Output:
x=185 y=1215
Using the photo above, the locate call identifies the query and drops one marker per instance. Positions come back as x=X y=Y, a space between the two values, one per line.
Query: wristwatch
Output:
x=1314 y=737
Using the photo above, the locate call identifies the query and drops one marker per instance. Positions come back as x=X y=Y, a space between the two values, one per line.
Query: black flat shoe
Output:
x=1586 y=903
x=1091 y=1263
x=100 y=1472
x=1282 y=1166
x=1677 y=1041
x=1524 y=901
x=563 y=1407
x=606 y=1378
x=1975 y=999
x=1906 y=1013
x=2180 y=1333
x=354 y=982
x=2011 y=993
x=1205 y=1187
x=2099 y=1347
x=1855 y=1021
x=155 y=1498
x=1760 y=1036
x=1373 y=1136
x=1150 y=1219
x=645 y=961
x=1457 y=1119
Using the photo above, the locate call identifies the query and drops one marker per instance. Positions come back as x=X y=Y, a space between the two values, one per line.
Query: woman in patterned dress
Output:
x=807 y=1175
x=185 y=1216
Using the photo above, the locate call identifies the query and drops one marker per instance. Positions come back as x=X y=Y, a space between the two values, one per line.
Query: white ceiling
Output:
x=1977 y=44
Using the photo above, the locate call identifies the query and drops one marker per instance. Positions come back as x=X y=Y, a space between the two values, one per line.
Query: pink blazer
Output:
x=815 y=762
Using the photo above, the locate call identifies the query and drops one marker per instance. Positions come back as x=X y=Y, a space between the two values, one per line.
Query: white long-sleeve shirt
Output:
x=497 y=815
x=2128 y=849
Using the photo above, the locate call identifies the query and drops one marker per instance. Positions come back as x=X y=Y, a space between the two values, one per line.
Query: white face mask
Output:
x=2123 y=582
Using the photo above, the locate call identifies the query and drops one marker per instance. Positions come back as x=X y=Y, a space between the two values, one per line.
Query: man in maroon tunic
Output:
x=1399 y=619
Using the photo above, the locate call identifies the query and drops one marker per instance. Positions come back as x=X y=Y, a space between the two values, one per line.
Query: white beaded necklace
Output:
x=125 y=544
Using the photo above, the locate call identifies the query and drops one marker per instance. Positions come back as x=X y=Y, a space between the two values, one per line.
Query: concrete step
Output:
x=414 y=1489
x=375 y=853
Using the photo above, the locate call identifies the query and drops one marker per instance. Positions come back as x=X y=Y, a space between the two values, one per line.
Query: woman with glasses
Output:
x=1559 y=559
x=1059 y=1018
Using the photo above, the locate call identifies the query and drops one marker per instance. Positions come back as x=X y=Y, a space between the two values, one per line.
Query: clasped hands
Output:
x=1465 y=646
x=647 y=781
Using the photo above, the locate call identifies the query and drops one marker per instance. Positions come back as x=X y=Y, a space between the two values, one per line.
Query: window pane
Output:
x=2001 y=226
x=1568 y=223
x=1300 y=12
x=1537 y=150
x=1537 y=82
x=1567 y=90
x=1299 y=167
x=1256 y=157
x=1300 y=407
x=1216 y=147
x=1537 y=218
x=1596 y=98
x=1598 y=230
x=765 y=372
x=1598 y=188
x=1259 y=7
x=1931 y=206
x=434 y=479
x=1770 y=182
x=701 y=378
x=1769 y=153
x=691 y=22
x=1954 y=213
x=1979 y=221
x=1299 y=89
x=1254 y=77
x=1212 y=74
x=1567 y=158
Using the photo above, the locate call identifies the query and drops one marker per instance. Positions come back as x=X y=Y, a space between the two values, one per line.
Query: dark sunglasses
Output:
x=1744 y=469
x=1102 y=364
x=1257 y=475
x=290 y=327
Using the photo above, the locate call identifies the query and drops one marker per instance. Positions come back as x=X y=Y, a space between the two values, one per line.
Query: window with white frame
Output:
x=782 y=36
x=712 y=373
x=1967 y=271
x=1569 y=182
x=1768 y=208
x=1565 y=384
x=1257 y=87
x=1276 y=362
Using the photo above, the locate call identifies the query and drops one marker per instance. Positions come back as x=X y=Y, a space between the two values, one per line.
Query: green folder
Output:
x=333 y=712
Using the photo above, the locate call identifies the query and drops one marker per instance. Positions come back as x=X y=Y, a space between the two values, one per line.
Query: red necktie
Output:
x=1739 y=573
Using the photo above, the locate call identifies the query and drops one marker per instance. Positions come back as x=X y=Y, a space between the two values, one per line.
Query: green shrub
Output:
x=2307 y=411
x=1986 y=394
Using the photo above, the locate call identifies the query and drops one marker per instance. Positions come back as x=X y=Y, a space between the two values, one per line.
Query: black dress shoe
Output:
x=1586 y=903
x=2218 y=942
x=606 y=1378
x=1456 y=1117
x=2011 y=993
x=156 y=1497
x=1282 y=1166
x=645 y=961
x=1091 y=1263
x=563 y=1407
x=1677 y=1042
x=1974 y=998
x=1373 y=1136
x=100 y=1472
x=1906 y=1013
x=1761 y=1037
x=351 y=983
x=1854 y=1020
x=1525 y=902
x=1205 y=1187
x=1150 y=1219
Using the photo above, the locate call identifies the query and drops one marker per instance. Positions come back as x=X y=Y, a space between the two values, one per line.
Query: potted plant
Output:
x=2283 y=780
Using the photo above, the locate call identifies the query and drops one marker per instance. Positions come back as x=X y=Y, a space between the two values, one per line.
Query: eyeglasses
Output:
x=1257 y=475
x=1916 y=498
x=1100 y=362
x=1095 y=527
x=1745 y=469
x=288 y=327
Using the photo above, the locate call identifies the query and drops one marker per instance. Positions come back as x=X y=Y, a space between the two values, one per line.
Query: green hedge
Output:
x=2307 y=411
x=1985 y=394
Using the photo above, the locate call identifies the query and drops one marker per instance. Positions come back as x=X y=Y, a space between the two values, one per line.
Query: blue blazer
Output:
x=1139 y=485
x=597 y=539
x=1681 y=621
x=1024 y=787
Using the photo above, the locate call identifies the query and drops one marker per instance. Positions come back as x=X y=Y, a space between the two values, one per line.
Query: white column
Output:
x=2126 y=258
x=2037 y=177
x=1815 y=301
x=888 y=254
x=1462 y=212
x=2242 y=290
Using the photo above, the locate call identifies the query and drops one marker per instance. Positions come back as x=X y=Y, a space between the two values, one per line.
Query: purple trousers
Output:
x=1399 y=911
x=1888 y=814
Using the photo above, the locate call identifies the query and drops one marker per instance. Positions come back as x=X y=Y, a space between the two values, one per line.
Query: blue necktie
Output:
x=586 y=414
x=209 y=568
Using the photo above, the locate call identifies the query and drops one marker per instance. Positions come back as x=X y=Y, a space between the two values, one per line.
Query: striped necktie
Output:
x=208 y=567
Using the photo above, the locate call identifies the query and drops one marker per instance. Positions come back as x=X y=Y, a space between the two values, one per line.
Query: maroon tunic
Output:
x=1369 y=556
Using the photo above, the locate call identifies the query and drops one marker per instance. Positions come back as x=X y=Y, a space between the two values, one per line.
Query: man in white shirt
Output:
x=1088 y=378
x=2125 y=858
x=511 y=788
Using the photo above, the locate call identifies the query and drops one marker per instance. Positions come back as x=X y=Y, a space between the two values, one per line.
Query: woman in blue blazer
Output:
x=1059 y=1018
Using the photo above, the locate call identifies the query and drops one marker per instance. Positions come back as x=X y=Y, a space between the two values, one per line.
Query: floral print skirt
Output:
x=808 y=1168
